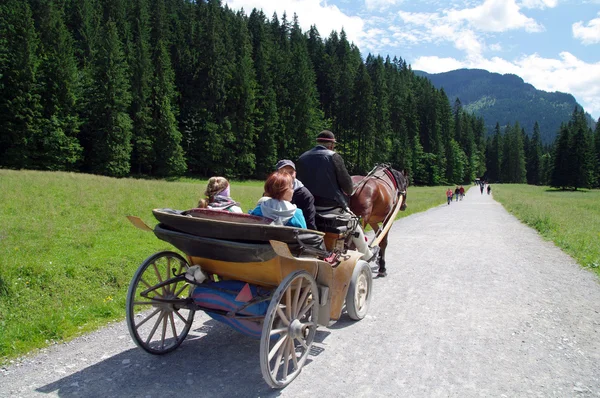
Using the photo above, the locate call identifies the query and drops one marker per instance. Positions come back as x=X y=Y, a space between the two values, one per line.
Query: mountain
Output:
x=507 y=99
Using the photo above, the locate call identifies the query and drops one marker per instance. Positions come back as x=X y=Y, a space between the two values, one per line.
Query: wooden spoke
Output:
x=177 y=293
x=164 y=331
x=180 y=317
x=277 y=345
x=164 y=292
x=147 y=318
x=151 y=334
x=168 y=269
x=286 y=361
x=277 y=331
x=306 y=308
x=173 y=329
x=292 y=350
x=288 y=303
x=296 y=297
x=302 y=343
x=302 y=301
x=284 y=319
x=145 y=283
x=277 y=363
x=143 y=303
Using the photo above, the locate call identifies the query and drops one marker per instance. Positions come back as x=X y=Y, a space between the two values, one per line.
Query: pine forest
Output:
x=178 y=87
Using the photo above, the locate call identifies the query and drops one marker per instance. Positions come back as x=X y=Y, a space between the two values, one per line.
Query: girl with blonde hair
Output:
x=218 y=196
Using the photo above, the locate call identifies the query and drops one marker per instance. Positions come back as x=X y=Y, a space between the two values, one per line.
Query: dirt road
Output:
x=475 y=305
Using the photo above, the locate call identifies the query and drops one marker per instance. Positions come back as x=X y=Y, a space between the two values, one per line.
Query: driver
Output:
x=324 y=173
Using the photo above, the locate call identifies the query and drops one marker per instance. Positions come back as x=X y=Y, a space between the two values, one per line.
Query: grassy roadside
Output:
x=571 y=219
x=67 y=252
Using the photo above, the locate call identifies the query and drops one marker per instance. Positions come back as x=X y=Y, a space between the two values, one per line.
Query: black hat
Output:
x=326 y=136
x=283 y=163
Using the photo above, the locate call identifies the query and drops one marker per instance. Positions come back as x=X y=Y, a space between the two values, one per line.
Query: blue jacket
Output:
x=296 y=221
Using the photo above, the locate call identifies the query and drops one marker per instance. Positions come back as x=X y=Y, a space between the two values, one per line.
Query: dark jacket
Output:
x=324 y=173
x=305 y=202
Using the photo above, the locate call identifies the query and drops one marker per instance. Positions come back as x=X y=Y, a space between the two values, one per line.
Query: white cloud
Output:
x=310 y=12
x=539 y=3
x=495 y=16
x=465 y=28
x=589 y=34
x=380 y=4
x=567 y=74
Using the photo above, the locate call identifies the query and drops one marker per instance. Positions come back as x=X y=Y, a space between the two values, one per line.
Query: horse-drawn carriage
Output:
x=272 y=282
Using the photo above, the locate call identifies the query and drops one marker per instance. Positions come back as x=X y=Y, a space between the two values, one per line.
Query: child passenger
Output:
x=276 y=205
x=218 y=196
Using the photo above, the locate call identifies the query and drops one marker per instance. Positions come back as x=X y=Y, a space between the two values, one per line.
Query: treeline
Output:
x=572 y=161
x=167 y=87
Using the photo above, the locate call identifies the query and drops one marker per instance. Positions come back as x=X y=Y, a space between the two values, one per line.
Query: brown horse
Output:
x=375 y=197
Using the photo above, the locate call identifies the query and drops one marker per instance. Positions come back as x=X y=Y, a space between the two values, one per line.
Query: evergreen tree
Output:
x=560 y=171
x=364 y=126
x=266 y=119
x=534 y=157
x=382 y=124
x=169 y=158
x=107 y=134
x=56 y=147
x=580 y=152
x=493 y=155
x=19 y=100
x=306 y=118
x=241 y=102
x=142 y=156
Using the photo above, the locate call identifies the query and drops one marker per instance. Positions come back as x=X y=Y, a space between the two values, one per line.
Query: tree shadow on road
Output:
x=213 y=361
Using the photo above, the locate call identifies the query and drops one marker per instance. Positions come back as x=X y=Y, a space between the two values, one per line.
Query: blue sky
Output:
x=552 y=44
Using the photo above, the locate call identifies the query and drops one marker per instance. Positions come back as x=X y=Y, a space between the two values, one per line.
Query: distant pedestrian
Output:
x=481 y=188
x=489 y=189
x=462 y=192
x=449 y=195
x=456 y=193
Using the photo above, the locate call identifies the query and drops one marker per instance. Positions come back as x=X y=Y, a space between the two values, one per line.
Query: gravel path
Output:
x=475 y=304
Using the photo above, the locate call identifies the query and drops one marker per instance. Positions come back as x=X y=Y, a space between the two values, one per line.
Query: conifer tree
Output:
x=382 y=128
x=580 y=152
x=534 y=157
x=241 y=101
x=169 y=158
x=306 y=118
x=107 y=132
x=56 y=147
x=19 y=101
x=266 y=119
x=363 y=130
x=142 y=156
x=560 y=170
x=493 y=155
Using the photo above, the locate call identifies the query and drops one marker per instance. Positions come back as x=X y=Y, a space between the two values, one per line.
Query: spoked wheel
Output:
x=358 y=297
x=289 y=329
x=157 y=317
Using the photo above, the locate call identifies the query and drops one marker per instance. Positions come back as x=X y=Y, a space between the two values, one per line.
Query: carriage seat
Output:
x=334 y=223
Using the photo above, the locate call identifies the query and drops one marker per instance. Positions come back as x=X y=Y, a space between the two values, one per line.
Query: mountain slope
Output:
x=506 y=99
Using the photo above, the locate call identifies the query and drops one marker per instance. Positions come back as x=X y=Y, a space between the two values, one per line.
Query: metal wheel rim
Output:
x=155 y=326
x=289 y=329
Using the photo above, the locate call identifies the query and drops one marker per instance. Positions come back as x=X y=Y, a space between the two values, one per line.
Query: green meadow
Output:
x=67 y=252
x=571 y=219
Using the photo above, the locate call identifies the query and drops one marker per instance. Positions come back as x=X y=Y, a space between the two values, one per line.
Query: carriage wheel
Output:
x=156 y=326
x=289 y=329
x=358 y=297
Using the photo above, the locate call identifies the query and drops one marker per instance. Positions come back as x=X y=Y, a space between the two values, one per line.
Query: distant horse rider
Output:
x=325 y=175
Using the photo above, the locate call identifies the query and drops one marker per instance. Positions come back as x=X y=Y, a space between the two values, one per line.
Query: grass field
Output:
x=67 y=252
x=571 y=219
